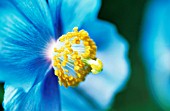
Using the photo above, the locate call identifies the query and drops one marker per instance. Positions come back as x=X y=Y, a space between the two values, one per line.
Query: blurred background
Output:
x=127 y=15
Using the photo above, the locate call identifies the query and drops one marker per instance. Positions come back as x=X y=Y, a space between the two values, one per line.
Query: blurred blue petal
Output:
x=97 y=92
x=23 y=40
x=156 y=50
x=76 y=12
x=42 y=97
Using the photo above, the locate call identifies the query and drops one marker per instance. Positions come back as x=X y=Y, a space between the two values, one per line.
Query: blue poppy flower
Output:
x=156 y=50
x=29 y=30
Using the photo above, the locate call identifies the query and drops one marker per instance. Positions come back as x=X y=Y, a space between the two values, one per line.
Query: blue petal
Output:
x=156 y=51
x=55 y=7
x=98 y=91
x=24 y=35
x=76 y=12
x=73 y=99
x=36 y=12
x=42 y=97
x=101 y=32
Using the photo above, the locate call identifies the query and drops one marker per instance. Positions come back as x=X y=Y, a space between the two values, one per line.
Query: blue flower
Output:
x=156 y=50
x=30 y=69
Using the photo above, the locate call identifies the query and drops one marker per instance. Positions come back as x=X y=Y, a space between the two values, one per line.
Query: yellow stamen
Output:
x=75 y=50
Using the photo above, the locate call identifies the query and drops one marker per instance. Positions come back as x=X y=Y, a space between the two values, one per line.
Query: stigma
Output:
x=74 y=57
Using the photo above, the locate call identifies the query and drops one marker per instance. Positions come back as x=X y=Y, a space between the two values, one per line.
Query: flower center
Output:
x=74 y=57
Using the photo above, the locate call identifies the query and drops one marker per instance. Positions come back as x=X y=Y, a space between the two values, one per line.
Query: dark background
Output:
x=127 y=15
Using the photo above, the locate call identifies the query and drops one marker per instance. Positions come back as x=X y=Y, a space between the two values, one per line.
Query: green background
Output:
x=127 y=15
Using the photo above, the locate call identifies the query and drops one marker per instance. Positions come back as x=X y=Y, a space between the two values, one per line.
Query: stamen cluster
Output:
x=71 y=58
